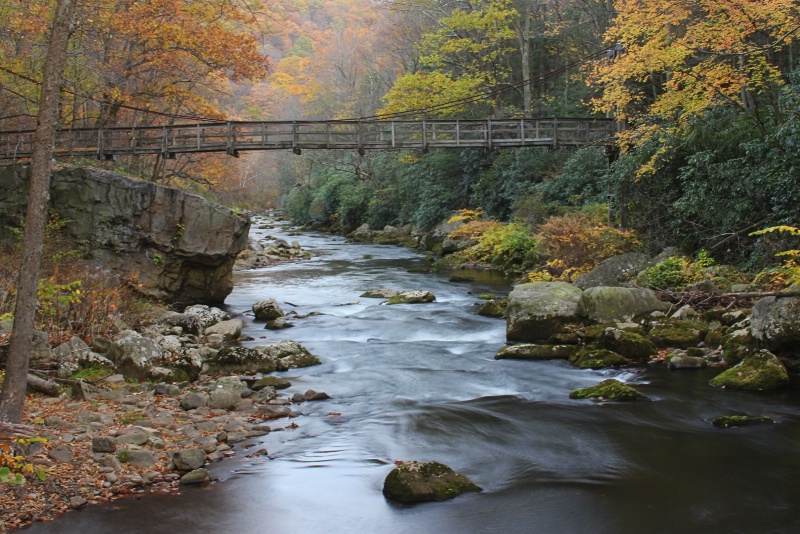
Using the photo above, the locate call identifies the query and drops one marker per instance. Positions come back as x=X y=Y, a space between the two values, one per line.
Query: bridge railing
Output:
x=233 y=137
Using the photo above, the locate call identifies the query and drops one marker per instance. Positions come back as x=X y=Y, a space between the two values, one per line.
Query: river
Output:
x=420 y=382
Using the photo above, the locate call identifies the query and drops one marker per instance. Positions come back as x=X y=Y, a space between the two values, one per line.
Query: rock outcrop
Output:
x=181 y=246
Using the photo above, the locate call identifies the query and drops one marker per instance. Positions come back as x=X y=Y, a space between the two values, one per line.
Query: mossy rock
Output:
x=759 y=371
x=412 y=297
x=629 y=345
x=677 y=333
x=564 y=338
x=729 y=421
x=493 y=308
x=684 y=361
x=413 y=482
x=535 y=352
x=610 y=390
x=595 y=357
x=737 y=346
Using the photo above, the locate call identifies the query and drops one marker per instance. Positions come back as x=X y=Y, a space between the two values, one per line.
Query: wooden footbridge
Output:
x=235 y=137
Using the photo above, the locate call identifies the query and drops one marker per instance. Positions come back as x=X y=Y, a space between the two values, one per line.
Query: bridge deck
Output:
x=234 y=137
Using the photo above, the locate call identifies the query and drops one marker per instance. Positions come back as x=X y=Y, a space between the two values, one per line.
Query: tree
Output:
x=12 y=398
x=681 y=58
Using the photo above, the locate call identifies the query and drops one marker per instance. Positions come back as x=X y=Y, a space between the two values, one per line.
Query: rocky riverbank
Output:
x=144 y=411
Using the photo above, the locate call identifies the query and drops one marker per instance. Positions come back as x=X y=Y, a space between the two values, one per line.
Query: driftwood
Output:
x=9 y=431
x=48 y=387
x=703 y=300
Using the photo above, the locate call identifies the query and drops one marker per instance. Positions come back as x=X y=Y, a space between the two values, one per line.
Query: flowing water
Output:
x=420 y=382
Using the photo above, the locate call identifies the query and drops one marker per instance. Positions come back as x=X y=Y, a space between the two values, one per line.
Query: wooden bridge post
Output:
x=489 y=142
x=295 y=139
x=424 y=136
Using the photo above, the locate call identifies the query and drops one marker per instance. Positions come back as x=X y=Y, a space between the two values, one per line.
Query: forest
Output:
x=707 y=92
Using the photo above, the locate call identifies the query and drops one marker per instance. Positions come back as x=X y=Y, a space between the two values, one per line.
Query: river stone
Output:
x=140 y=458
x=132 y=436
x=539 y=310
x=230 y=330
x=593 y=357
x=61 y=454
x=192 y=401
x=758 y=371
x=223 y=399
x=207 y=316
x=630 y=345
x=379 y=294
x=608 y=390
x=615 y=271
x=104 y=444
x=775 y=322
x=267 y=310
x=288 y=354
x=682 y=361
x=279 y=324
x=413 y=482
x=73 y=350
x=189 y=459
x=231 y=360
x=230 y=383
x=535 y=352
x=273 y=381
x=412 y=297
x=730 y=421
x=677 y=333
x=493 y=308
x=619 y=304
x=265 y=394
x=197 y=476
x=134 y=355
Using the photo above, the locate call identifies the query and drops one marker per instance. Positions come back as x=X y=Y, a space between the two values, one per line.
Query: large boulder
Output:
x=615 y=271
x=412 y=482
x=267 y=310
x=539 y=310
x=181 y=246
x=758 y=371
x=775 y=322
x=619 y=304
x=135 y=356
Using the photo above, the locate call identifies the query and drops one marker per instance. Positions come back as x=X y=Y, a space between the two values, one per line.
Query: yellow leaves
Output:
x=683 y=57
x=421 y=91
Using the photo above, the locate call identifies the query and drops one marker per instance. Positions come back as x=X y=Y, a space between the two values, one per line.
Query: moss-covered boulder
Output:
x=270 y=381
x=539 y=310
x=379 y=294
x=412 y=297
x=413 y=482
x=594 y=357
x=610 y=390
x=493 y=308
x=676 y=333
x=758 y=371
x=288 y=354
x=628 y=344
x=729 y=421
x=617 y=304
x=238 y=360
x=737 y=346
x=535 y=352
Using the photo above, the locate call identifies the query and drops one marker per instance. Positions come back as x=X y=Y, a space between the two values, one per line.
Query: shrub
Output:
x=577 y=242
x=787 y=274
x=676 y=272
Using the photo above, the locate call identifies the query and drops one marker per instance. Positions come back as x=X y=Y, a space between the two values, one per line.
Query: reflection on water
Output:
x=420 y=382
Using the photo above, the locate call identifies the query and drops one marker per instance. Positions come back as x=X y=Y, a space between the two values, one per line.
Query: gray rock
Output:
x=77 y=502
x=61 y=454
x=616 y=271
x=192 y=401
x=141 y=458
x=207 y=316
x=316 y=395
x=132 y=436
x=189 y=459
x=619 y=304
x=198 y=476
x=104 y=444
x=279 y=324
x=232 y=360
x=681 y=361
x=267 y=310
x=230 y=383
x=274 y=381
x=229 y=330
x=535 y=352
x=182 y=246
x=73 y=350
x=775 y=322
x=537 y=311
x=265 y=394
x=134 y=355
x=223 y=399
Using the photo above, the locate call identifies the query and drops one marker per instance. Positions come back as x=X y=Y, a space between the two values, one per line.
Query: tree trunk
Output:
x=12 y=398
